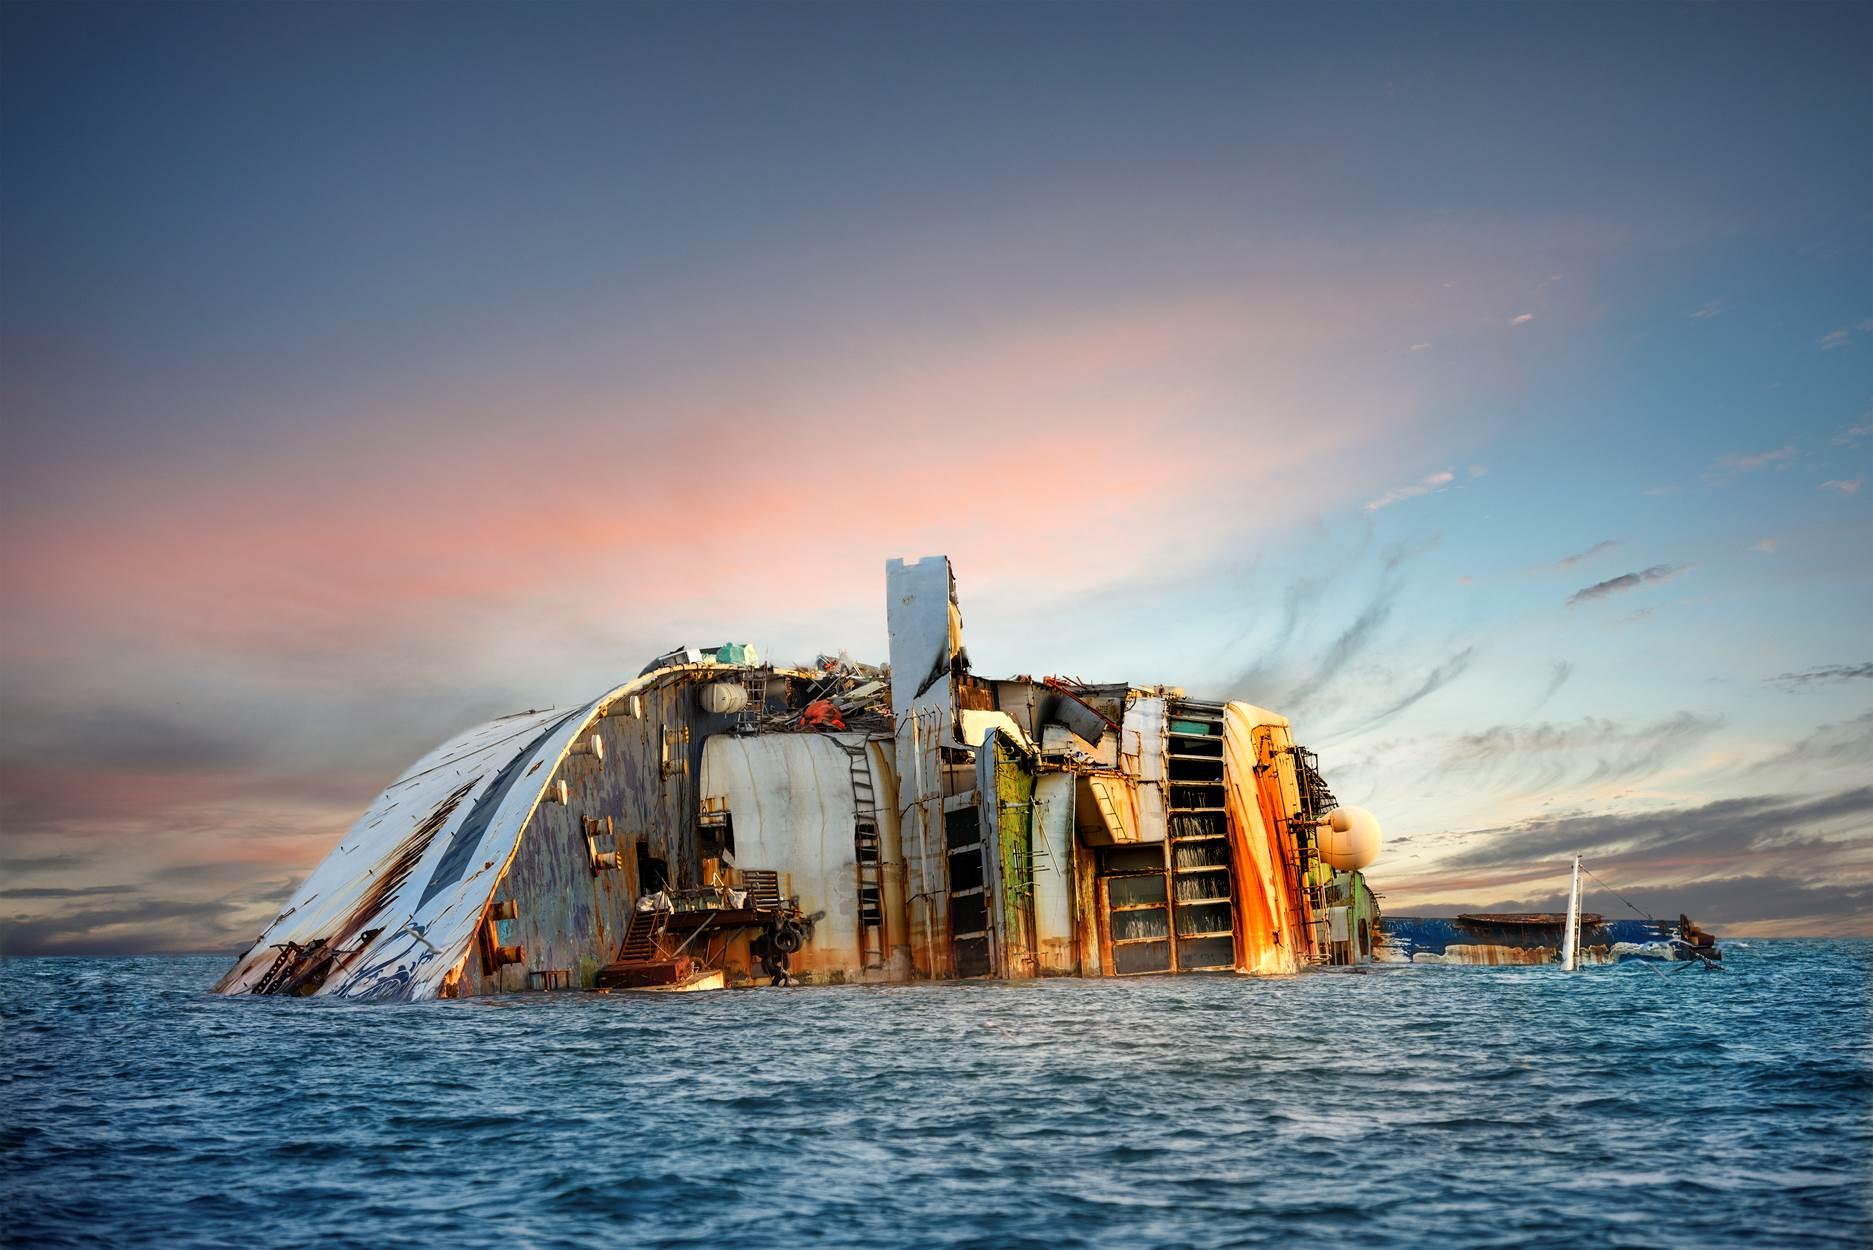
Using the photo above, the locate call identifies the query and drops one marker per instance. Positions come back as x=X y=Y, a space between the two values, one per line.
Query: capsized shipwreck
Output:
x=720 y=820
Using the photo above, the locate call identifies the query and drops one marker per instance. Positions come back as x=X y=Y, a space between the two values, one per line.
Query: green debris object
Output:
x=1197 y=727
x=737 y=653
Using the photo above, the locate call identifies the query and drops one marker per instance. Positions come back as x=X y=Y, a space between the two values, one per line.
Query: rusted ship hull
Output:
x=836 y=822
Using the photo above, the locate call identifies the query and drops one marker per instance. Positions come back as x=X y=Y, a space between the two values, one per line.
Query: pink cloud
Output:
x=1093 y=423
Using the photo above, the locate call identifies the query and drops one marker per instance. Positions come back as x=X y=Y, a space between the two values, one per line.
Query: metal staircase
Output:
x=642 y=937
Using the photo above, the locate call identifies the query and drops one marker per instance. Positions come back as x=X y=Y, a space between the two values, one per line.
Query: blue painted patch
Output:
x=455 y=860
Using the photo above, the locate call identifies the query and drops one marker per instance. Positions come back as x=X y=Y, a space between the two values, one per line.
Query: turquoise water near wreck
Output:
x=1413 y=1106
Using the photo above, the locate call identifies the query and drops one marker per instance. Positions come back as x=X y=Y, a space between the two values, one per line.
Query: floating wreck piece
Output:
x=1540 y=938
x=720 y=819
x=1570 y=939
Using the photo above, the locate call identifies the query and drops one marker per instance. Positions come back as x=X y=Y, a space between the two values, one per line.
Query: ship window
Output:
x=961 y=828
x=1131 y=859
x=966 y=870
x=1137 y=957
x=1137 y=891
x=1206 y=953
x=972 y=957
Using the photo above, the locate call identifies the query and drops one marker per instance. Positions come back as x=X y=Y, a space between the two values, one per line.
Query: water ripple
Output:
x=1469 y=1107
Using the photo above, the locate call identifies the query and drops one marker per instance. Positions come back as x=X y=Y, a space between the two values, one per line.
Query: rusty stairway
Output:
x=640 y=960
x=641 y=943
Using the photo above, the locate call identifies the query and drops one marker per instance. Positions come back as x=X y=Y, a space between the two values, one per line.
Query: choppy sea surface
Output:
x=1627 y=1106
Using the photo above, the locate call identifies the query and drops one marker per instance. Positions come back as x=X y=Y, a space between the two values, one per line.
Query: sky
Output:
x=1487 y=388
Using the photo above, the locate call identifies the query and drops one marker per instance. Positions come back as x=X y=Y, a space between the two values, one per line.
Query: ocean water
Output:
x=1440 y=1107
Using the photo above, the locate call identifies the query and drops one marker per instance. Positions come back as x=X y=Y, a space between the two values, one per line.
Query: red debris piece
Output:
x=822 y=714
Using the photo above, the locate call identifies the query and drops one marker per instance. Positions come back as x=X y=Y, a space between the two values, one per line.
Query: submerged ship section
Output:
x=1498 y=938
x=721 y=820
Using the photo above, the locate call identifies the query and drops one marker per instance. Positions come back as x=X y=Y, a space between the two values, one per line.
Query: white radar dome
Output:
x=1351 y=839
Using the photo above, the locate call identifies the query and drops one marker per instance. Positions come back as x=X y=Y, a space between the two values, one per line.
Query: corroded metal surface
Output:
x=1032 y=818
x=404 y=895
x=1265 y=933
x=408 y=862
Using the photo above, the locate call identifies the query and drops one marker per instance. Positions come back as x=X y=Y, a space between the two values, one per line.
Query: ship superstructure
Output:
x=721 y=819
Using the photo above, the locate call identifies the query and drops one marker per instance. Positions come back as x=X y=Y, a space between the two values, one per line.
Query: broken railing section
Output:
x=299 y=970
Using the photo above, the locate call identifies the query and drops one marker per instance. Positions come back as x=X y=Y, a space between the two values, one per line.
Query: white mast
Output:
x=1570 y=942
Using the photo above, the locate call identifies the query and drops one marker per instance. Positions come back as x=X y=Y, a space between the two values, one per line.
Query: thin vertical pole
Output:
x=1570 y=942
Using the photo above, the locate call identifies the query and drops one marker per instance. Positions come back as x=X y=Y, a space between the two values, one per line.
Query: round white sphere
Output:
x=1351 y=838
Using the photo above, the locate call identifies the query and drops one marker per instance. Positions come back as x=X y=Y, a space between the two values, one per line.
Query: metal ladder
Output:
x=755 y=683
x=868 y=850
x=641 y=937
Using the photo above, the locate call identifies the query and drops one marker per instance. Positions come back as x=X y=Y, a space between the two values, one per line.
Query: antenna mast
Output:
x=1570 y=941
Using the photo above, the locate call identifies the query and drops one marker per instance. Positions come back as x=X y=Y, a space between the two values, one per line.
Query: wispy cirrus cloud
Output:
x=1581 y=557
x=1836 y=339
x=1824 y=674
x=1439 y=677
x=1544 y=756
x=62 y=862
x=1750 y=462
x=1346 y=645
x=1854 y=433
x=1625 y=582
x=53 y=891
x=1844 y=486
x=1558 y=674
x=1721 y=828
x=1423 y=486
x=1708 y=309
x=1836 y=744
